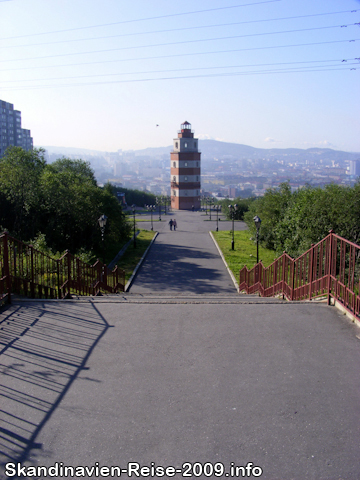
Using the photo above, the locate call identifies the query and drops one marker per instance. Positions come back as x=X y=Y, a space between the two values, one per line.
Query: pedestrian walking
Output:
x=171 y=223
x=174 y=224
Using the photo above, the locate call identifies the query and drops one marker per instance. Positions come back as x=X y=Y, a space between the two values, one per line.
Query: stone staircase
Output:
x=186 y=298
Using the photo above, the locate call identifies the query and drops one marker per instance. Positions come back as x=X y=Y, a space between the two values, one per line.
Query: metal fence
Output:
x=29 y=272
x=330 y=268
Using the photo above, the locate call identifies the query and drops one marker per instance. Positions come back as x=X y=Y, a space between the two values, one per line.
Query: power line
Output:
x=230 y=37
x=228 y=74
x=336 y=61
x=146 y=19
x=177 y=29
x=185 y=54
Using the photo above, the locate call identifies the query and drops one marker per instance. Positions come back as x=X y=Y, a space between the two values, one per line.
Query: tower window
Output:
x=174 y=193
x=185 y=145
x=185 y=164
x=174 y=179
x=176 y=145
x=174 y=164
x=185 y=178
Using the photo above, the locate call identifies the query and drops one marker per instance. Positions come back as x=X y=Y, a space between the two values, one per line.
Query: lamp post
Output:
x=257 y=225
x=217 y=217
x=168 y=199
x=165 y=199
x=232 y=210
x=133 y=210
x=102 y=223
x=158 y=201
x=204 y=204
x=151 y=208
x=210 y=205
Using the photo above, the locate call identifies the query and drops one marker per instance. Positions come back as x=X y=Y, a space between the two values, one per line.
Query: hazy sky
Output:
x=102 y=74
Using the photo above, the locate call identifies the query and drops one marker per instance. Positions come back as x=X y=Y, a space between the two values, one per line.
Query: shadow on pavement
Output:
x=42 y=351
x=187 y=269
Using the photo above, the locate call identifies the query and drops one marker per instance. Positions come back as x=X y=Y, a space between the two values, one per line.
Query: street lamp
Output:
x=133 y=210
x=211 y=204
x=164 y=198
x=102 y=223
x=217 y=217
x=257 y=225
x=158 y=201
x=232 y=210
x=151 y=208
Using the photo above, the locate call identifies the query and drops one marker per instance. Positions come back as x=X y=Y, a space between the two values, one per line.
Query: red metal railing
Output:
x=330 y=268
x=29 y=272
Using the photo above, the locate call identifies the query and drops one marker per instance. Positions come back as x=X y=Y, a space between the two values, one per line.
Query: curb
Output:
x=226 y=265
x=121 y=252
x=131 y=279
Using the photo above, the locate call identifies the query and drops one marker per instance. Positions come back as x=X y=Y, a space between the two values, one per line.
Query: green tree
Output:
x=20 y=173
x=80 y=168
x=348 y=213
x=243 y=205
x=133 y=197
x=271 y=209
x=72 y=204
x=314 y=211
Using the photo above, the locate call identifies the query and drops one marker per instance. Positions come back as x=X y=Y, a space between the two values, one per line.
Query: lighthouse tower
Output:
x=185 y=170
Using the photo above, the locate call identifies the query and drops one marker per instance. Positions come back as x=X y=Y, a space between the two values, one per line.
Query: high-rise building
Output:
x=355 y=168
x=11 y=133
x=185 y=170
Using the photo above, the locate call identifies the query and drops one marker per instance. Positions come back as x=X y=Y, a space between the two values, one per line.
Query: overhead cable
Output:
x=175 y=29
x=183 y=42
x=214 y=52
x=145 y=19
x=264 y=72
x=336 y=61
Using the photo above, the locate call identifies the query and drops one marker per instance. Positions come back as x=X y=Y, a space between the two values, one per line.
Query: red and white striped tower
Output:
x=185 y=170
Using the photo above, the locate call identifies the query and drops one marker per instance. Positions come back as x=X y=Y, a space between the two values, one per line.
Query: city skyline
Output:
x=270 y=74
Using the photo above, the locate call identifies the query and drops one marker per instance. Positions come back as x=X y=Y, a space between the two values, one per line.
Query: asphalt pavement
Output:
x=210 y=385
x=186 y=260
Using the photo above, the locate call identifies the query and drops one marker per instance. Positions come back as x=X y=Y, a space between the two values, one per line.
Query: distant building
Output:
x=185 y=171
x=355 y=168
x=11 y=133
x=121 y=197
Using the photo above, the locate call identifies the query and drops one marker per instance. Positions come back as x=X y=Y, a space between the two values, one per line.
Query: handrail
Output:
x=329 y=268
x=32 y=273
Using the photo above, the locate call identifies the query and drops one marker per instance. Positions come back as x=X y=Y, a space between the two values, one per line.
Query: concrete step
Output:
x=166 y=298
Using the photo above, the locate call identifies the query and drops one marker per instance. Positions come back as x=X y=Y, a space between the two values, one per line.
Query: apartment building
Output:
x=11 y=133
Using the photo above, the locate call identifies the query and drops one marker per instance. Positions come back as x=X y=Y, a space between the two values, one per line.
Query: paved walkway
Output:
x=170 y=378
x=94 y=381
x=186 y=260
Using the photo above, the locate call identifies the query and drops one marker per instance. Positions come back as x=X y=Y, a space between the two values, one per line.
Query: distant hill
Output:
x=217 y=149
x=63 y=151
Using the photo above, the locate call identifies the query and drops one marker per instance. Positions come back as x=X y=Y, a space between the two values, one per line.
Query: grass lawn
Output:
x=146 y=219
x=133 y=255
x=245 y=251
